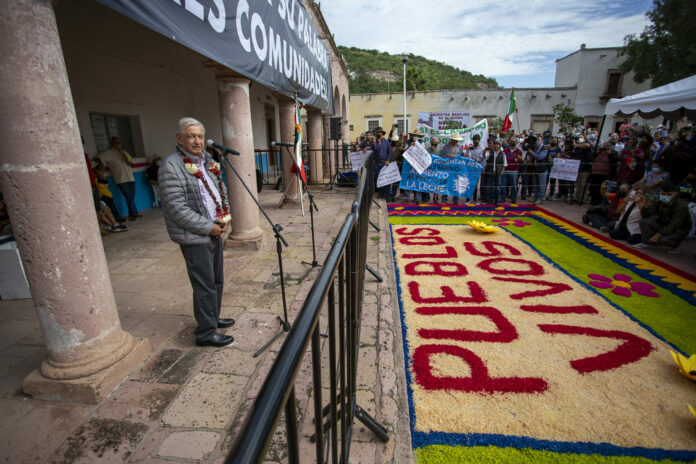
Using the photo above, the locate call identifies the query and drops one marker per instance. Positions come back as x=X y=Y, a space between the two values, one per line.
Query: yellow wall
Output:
x=386 y=105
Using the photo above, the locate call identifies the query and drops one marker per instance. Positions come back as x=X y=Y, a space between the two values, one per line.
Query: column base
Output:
x=91 y=389
x=244 y=245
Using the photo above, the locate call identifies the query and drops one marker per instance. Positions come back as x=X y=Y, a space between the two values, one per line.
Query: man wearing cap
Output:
x=665 y=221
x=448 y=152
x=435 y=149
x=383 y=154
x=477 y=154
x=493 y=169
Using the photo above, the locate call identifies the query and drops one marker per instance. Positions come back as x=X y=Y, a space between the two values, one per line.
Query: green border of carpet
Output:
x=443 y=454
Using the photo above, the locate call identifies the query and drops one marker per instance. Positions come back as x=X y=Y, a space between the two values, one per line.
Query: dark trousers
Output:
x=128 y=191
x=112 y=206
x=622 y=233
x=489 y=187
x=205 y=270
x=596 y=187
x=651 y=225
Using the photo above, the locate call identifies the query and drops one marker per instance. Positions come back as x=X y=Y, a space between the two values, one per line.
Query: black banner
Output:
x=273 y=42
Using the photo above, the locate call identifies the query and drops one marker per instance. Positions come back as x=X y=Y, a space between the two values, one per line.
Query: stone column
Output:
x=316 y=170
x=287 y=135
x=44 y=180
x=235 y=116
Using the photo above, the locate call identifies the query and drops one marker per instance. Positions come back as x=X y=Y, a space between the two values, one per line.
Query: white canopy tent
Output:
x=672 y=101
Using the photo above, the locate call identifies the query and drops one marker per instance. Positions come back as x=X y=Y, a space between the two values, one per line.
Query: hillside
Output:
x=376 y=71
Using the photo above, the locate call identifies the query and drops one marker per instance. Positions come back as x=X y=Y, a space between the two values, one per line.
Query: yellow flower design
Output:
x=191 y=168
x=686 y=366
x=483 y=227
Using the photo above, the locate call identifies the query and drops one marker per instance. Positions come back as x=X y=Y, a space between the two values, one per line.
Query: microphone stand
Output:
x=284 y=324
x=312 y=207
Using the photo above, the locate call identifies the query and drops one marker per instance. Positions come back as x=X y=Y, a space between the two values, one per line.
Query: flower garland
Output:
x=223 y=214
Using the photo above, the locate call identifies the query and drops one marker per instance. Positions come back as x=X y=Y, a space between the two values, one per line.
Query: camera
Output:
x=529 y=143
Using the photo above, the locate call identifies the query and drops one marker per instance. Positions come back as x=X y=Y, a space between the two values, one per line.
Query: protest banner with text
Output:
x=388 y=175
x=565 y=169
x=456 y=176
x=480 y=129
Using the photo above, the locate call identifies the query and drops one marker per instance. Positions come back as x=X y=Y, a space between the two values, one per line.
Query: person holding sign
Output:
x=415 y=137
x=476 y=153
x=449 y=151
x=493 y=169
x=383 y=154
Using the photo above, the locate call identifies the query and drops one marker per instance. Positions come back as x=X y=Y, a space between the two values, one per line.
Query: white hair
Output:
x=185 y=122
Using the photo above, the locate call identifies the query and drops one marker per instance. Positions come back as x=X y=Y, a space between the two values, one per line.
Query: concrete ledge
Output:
x=91 y=389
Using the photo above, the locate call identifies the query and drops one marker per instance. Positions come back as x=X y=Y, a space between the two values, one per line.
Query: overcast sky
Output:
x=516 y=42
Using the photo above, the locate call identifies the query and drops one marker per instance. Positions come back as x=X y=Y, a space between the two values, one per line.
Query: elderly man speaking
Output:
x=196 y=211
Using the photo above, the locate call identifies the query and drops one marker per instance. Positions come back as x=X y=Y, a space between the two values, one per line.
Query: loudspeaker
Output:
x=335 y=129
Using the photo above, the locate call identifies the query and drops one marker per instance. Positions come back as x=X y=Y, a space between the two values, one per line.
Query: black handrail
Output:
x=343 y=268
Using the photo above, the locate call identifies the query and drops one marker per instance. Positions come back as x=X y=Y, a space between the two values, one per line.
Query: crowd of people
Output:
x=639 y=183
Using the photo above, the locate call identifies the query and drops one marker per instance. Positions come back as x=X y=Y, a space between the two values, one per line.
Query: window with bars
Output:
x=400 y=124
x=105 y=126
x=372 y=124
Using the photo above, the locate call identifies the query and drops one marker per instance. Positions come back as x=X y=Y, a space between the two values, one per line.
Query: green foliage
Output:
x=378 y=72
x=451 y=124
x=496 y=124
x=666 y=49
x=565 y=115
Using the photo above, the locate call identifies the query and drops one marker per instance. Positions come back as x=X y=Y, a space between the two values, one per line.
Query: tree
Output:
x=450 y=124
x=565 y=116
x=495 y=124
x=666 y=49
x=414 y=79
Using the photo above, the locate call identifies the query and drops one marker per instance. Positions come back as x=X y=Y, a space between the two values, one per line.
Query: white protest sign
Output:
x=565 y=169
x=418 y=157
x=357 y=158
x=388 y=175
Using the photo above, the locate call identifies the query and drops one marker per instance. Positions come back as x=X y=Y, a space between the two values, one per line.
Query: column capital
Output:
x=223 y=73
x=282 y=98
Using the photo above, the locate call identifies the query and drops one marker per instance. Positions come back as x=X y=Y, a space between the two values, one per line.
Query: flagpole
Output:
x=517 y=115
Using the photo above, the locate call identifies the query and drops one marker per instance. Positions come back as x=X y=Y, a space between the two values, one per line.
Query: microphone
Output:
x=283 y=144
x=222 y=148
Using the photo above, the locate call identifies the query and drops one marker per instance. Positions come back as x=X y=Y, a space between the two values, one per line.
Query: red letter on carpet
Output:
x=448 y=296
x=505 y=334
x=479 y=382
x=446 y=269
x=633 y=348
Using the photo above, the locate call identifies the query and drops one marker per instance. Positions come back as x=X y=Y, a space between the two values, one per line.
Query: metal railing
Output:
x=338 y=290
x=335 y=166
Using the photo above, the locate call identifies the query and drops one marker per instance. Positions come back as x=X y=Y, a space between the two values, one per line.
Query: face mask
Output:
x=581 y=140
x=592 y=137
x=665 y=199
x=505 y=145
x=656 y=169
x=632 y=194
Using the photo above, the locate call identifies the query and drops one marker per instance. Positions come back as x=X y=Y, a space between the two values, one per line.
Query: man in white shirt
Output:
x=119 y=163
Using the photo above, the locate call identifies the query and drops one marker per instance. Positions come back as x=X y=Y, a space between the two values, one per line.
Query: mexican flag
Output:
x=298 y=142
x=511 y=113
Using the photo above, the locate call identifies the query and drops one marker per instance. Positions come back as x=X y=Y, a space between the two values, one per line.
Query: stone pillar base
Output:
x=91 y=389
x=244 y=245
x=248 y=240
